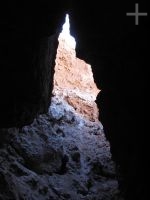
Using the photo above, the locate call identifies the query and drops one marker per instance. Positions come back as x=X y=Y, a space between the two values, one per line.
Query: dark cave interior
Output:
x=111 y=43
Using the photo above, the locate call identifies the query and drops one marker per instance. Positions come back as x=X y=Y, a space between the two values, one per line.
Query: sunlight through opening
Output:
x=65 y=34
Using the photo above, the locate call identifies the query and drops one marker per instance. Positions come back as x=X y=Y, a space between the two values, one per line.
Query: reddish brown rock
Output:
x=73 y=80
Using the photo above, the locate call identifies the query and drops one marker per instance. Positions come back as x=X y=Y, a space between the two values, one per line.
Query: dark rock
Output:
x=38 y=164
x=75 y=156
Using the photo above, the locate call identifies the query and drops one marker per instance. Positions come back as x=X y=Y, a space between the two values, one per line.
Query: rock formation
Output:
x=63 y=154
x=73 y=78
x=118 y=52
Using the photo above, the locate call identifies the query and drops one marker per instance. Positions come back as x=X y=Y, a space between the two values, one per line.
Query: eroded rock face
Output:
x=61 y=155
x=28 y=51
x=31 y=85
x=73 y=79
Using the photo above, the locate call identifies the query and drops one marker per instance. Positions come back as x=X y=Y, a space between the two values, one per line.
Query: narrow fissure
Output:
x=73 y=105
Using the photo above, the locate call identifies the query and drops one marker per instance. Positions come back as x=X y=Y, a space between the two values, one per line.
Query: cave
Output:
x=55 y=143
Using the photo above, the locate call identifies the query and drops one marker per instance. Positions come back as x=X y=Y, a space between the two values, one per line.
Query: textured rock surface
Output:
x=61 y=155
x=30 y=88
x=28 y=51
x=73 y=79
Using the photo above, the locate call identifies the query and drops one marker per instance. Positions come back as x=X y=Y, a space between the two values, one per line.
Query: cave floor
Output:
x=61 y=155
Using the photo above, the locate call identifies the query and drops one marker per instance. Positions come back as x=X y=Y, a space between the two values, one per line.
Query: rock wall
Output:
x=118 y=52
x=61 y=155
x=27 y=60
x=73 y=79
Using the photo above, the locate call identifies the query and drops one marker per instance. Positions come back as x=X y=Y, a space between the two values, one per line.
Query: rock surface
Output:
x=28 y=51
x=31 y=77
x=73 y=79
x=118 y=52
x=61 y=155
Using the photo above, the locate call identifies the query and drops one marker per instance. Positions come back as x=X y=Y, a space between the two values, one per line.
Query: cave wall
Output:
x=114 y=46
x=29 y=43
x=117 y=51
x=28 y=84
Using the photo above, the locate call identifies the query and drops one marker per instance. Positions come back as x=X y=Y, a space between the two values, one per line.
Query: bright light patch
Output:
x=66 y=26
x=65 y=34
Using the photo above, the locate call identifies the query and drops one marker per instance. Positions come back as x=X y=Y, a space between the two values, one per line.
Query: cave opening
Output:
x=75 y=116
x=63 y=153
x=73 y=77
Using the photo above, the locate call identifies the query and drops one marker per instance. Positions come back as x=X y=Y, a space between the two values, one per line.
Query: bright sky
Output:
x=66 y=33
